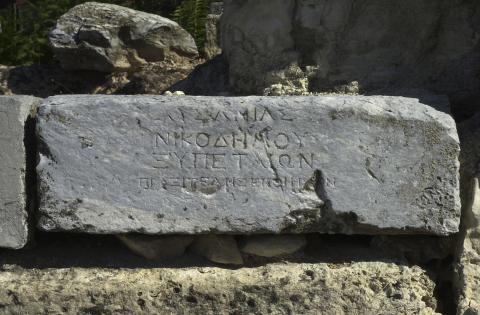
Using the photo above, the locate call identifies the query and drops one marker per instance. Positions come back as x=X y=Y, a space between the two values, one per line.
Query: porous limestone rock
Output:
x=468 y=255
x=273 y=245
x=469 y=285
x=383 y=45
x=284 y=288
x=14 y=113
x=106 y=38
x=220 y=249
x=468 y=270
x=157 y=247
x=193 y=165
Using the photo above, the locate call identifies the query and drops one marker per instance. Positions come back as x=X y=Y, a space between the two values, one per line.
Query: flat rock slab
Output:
x=14 y=112
x=115 y=164
x=284 y=288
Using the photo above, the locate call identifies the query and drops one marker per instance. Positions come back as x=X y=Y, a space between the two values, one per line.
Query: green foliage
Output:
x=24 y=33
x=24 y=36
x=191 y=15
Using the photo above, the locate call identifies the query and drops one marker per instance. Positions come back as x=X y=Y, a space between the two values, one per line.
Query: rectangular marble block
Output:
x=156 y=164
x=14 y=112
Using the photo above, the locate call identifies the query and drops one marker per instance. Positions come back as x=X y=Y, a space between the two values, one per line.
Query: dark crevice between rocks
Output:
x=444 y=290
x=64 y=250
x=30 y=144
x=462 y=110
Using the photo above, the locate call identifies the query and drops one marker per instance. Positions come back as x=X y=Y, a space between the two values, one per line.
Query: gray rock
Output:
x=273 y=245
x=220 y=249
x=157 y=247
x=14 y=112
x=378 y=43
x=107 y=38
x=191 y=165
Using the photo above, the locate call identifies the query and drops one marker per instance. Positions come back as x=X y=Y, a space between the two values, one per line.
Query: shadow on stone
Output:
x=46 y=80
x=64 y=250
x=208 y=79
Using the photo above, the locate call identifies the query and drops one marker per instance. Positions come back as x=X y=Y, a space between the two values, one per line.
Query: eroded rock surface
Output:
x=14 y=112
x=285 y=288
x=317 y=46
x=106 y=38
x=468 y=272
x=212 y=30
x=247 y=165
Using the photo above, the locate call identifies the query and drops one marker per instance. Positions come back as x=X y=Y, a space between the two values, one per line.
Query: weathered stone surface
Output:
x=157 y=247
x=106 y=37
x=380 y=44
x=272 y=245
x=468 y=270
x=220 y=249
x=359 y=288
x=14 y=112
x=247 y=165
x=212 y=30
x=468 y=254
x=469 y=285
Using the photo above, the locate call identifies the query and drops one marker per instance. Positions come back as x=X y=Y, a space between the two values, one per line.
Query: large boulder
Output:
x=320 y=45
x=107 y=38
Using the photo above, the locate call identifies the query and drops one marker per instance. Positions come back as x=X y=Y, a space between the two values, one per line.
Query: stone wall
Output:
x=388 y=47
x=330 y=202
x=154 y=165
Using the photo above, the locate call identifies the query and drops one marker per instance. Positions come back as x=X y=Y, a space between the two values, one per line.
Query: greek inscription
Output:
x=202 y=140
x=233 y=140
x=216 y=184
x=229 y=160
x=285 y=160
x=220 y=151
x=240 y=157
